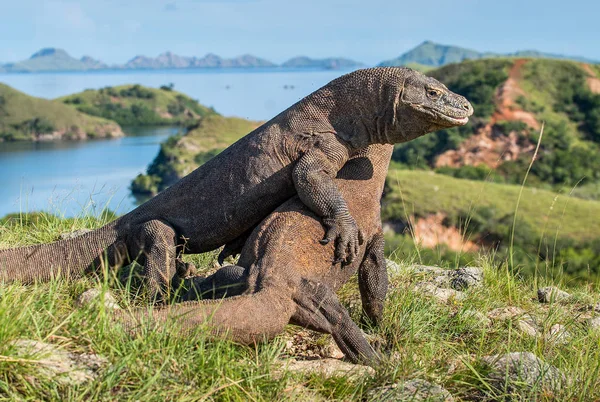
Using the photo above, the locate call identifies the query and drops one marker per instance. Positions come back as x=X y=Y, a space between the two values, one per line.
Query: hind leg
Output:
x=155 y=247
x=319 y=309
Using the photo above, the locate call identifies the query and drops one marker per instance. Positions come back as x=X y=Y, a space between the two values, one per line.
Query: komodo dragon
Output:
x=299 y=151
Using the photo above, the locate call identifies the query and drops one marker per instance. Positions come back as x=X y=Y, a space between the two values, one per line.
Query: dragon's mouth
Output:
x=450 y=120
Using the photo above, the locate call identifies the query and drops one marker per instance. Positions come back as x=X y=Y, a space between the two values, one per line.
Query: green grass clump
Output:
x=421 y=338
x=26 y=118
x=138 y=106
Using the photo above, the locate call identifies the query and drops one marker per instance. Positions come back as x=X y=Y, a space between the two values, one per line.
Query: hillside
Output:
x=24 y=117
x=138 y=105
x=52 y=59
x=330 y=63
x=496 y=336
x=512 y=97
x=170 y=60
x=553 y=232
x=181 y=154
x=435 y=55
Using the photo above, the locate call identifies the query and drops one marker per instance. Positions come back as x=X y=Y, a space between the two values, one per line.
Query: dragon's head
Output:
x=426 y=105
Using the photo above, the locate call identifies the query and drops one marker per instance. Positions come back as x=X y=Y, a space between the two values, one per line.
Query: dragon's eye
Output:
x=433 y=93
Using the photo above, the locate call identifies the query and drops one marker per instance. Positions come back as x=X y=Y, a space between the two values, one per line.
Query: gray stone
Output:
x=95 y=295
x=481 y=318
x=393 y=267
x=429 y=270
x=411 y=390
x=591 y=307
x=522 y=371
x=505 y=313
x=558 y=334
x=59 y=365
x=74 y=234
x=325 y=367
x=528 y=326
x=440 y=294
x=306 y=344
x=594 y=323
x=466 y=277
x=551 y=294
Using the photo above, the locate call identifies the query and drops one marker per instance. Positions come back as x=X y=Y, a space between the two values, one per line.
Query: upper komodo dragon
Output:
x=298 y=151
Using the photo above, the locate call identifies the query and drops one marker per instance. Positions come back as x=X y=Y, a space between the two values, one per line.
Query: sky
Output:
x=370 y=31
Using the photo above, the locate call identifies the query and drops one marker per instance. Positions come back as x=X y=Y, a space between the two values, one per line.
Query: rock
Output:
x=522 y=370
x=442 y=295
x=481 y=318
x=528 y=326
x=466 y=277
x=325 y=367
x=309 y=344
x=429 y=270
x=411 y=390
x=95 y=295
x=72 y=235
x=505 y=313
x=551 y=294
x=54 y=363
x=591 y=307
x=558 y=334
x=393 y=267
x=594 y=323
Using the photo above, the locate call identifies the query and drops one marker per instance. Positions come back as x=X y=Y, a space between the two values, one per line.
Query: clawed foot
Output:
x=347 y=237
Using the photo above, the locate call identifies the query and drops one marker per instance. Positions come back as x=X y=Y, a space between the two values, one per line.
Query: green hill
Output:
x=181 y=154
x=435 y=55
x=52 y=59
x=138 y=105
x=512 y=98
x=24 y=117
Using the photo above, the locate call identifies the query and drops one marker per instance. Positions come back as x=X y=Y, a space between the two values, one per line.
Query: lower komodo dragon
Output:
x=298 y=152
x=285 y=275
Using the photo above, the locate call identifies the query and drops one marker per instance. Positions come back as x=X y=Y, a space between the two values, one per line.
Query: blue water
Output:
x=71 y=177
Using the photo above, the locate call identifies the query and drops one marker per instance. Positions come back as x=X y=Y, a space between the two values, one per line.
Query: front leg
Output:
x=373 y=280
x=314 y=175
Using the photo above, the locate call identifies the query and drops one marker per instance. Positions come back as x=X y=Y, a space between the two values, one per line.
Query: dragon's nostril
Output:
x=466 y=106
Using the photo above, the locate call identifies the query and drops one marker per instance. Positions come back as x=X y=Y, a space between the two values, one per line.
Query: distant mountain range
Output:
x=52 y=59
x=425 y=56
x=432 y=54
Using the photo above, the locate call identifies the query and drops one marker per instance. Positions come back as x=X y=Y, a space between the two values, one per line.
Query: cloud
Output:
x=171 y=7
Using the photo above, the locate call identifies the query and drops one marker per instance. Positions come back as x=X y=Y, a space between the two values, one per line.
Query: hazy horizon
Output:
x=114 y=32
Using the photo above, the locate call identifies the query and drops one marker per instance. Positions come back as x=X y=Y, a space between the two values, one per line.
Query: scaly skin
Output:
x=298 y=152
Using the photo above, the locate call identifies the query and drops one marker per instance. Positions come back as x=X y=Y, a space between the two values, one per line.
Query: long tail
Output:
x=247 y=319
x=66 y=258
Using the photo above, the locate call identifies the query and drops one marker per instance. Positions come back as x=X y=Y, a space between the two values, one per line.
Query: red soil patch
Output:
x=430 y=232
x=491 y=147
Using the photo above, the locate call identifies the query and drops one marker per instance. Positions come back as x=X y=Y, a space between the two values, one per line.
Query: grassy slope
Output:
x=423 y=193
x=138 y=105
x=423 y=339
x=180 y=155
x=16 y=108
